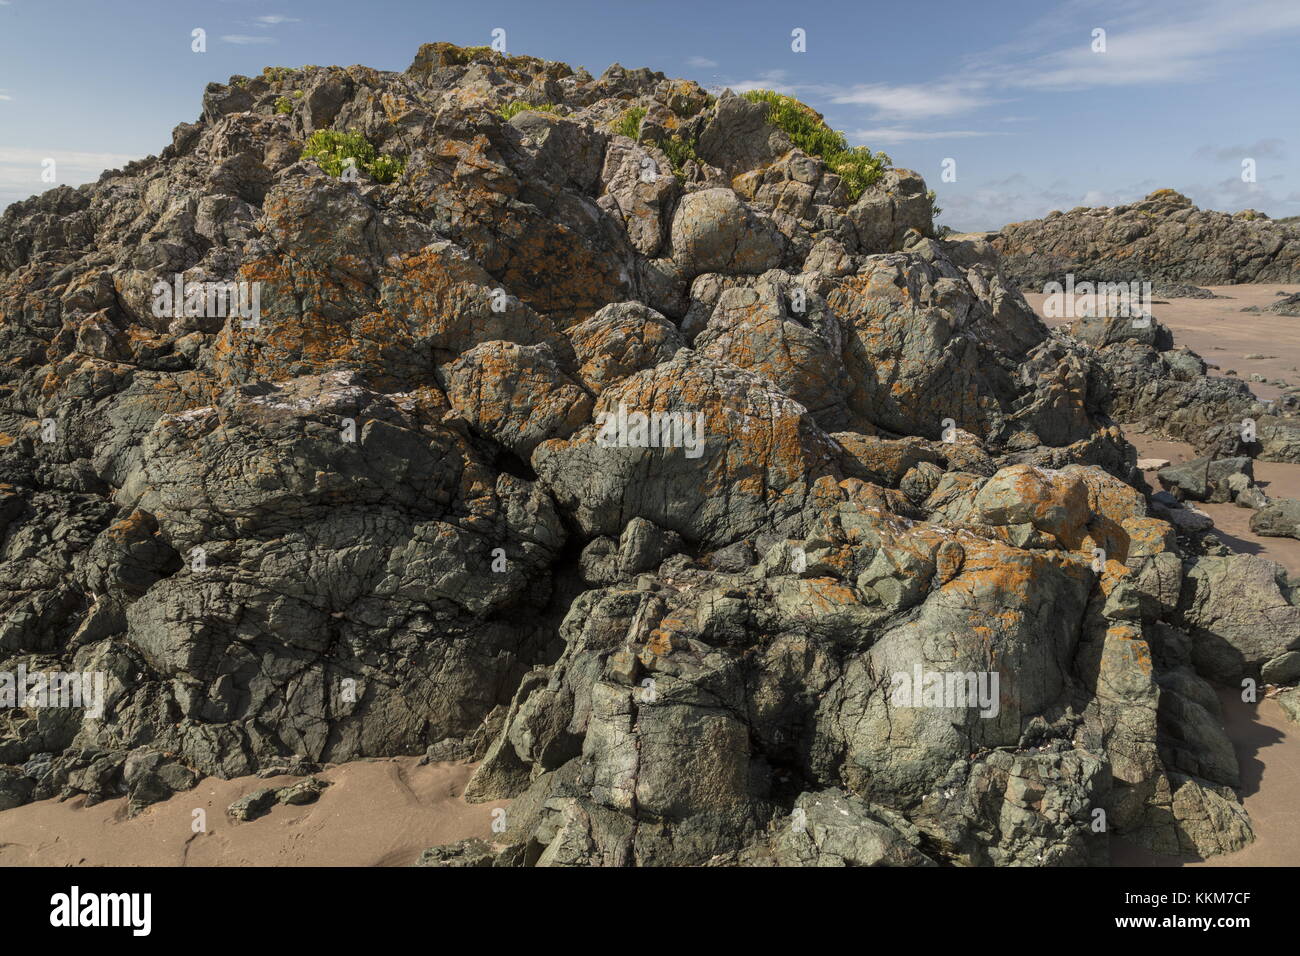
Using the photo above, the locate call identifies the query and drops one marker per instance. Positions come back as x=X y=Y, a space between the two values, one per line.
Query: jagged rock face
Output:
x=1163 y=237
x=1169 y=392
x=646 y=485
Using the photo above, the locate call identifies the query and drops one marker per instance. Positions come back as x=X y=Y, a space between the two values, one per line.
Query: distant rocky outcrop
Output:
x=1288 y=305
x=1162 y=238
x=588 y=428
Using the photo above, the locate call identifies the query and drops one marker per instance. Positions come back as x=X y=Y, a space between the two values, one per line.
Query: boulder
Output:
x=714 y=231
x=1279 y=518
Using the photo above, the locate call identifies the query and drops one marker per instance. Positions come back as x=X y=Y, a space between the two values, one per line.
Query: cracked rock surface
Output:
x=1162 y=238
x=387 y=517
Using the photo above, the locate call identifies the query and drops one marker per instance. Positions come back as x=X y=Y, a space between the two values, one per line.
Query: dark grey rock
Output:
x=253 y=805
x=1162 y=238
x=471 y=853
x=1280 y=518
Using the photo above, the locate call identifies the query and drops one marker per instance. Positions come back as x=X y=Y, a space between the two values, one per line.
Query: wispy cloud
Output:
x=769 y=80
x=20 y=169
x=1144 y=46
x=275 y=19
x=912 y=102
x=701 y=62
x=895 y=134
x=1272 y=148
x=4 y=95
x=241 y=39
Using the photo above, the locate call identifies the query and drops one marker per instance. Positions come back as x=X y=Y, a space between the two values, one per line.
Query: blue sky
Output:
x=1009 y=89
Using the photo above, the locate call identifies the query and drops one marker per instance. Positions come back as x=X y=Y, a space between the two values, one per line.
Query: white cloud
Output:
x=243 y=40
x=895 y=134
x=20 y=169
x=701 y=62
x=1272 y=148
x=771 y=80
x=275 y=19
x=3 y=94
x=912 y=102
x=1144 y=46
x=10 y=155
x=1232 y=195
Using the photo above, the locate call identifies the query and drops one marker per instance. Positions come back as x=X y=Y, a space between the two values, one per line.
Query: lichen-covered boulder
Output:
x=714 y=231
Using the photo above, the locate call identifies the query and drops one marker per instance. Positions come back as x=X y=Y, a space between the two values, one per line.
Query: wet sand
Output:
x=375 y=813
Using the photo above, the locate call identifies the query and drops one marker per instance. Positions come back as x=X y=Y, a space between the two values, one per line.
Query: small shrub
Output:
x=935 y=208
x=283 y=105
x=857 y=166
x=679 y=152
x=514 y=108
x=629 y=124
x=386 y=168
x=463 y=56
x=331 y=149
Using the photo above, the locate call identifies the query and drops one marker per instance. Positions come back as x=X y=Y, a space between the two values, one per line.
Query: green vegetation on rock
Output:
x=678 y=148
x=858 y=166
x=515 y=107
x=278 y=73
x=331 y=149
x=935 y=208
x=679 y=152
x=629 y=124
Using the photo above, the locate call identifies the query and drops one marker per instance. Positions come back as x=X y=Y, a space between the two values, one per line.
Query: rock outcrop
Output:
x=1288 y=305
x=1161 y=239
x=723 y=515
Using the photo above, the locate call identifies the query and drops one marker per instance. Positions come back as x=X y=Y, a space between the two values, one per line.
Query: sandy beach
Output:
x=1268 y=753
x=374 y=813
